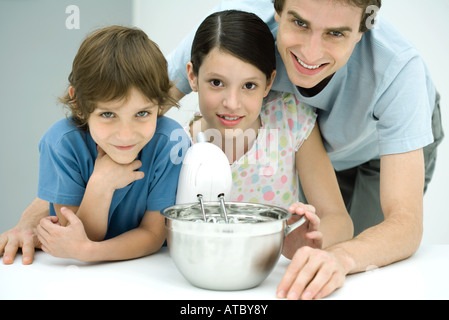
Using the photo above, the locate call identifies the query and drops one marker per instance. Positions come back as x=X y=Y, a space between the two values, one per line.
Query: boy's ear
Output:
x=192 y=78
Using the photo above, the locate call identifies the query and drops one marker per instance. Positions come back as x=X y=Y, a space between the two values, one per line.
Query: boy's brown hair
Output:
x=363 y=4
x=109 y=63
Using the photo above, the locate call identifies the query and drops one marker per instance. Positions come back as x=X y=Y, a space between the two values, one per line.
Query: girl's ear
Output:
x=192 y=77
x=71 y=92
x=270 y=83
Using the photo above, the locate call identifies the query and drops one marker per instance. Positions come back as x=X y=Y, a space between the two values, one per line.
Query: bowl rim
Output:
x=231 y=206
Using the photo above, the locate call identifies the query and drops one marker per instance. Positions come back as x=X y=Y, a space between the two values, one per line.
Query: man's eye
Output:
x=107 y=115
x=301 y=24
x=142 y=114
x=336 y=34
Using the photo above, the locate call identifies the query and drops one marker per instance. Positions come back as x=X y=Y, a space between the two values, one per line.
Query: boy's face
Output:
x=123 y=127
x=316 y=38
x=230 y=92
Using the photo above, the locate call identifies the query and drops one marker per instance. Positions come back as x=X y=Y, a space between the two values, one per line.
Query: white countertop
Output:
x=423 y=276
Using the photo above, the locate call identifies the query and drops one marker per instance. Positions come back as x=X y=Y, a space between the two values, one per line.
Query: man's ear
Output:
x=193 y=80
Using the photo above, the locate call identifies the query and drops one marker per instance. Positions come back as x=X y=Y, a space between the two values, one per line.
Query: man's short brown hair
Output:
x=363 y=4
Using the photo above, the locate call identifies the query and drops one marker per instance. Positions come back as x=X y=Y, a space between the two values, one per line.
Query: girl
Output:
x=89 y=162
x=269 y=140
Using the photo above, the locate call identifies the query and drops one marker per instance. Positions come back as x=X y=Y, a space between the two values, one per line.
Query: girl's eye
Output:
x=142 y=114
x=216 y=83
x=107 y=115
x=249 y=86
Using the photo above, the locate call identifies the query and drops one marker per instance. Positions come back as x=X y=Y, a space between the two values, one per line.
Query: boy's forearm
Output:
x=94 y=211
x=129 y=245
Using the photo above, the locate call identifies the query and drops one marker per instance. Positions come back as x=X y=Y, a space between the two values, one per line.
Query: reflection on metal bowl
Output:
x=216 y=255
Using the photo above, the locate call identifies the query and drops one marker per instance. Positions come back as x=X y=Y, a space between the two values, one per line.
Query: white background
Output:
x=36 y=51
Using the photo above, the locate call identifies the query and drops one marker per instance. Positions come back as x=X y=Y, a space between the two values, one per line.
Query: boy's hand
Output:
x=112 y=175
x=63 y=242
x=306 y=235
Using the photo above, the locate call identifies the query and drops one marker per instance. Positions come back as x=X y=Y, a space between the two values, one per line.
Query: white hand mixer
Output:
x=205 y=175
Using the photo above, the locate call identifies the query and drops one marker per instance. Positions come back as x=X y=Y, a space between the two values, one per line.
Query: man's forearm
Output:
x=336 y=228
x=395 y=239
x=37 y=210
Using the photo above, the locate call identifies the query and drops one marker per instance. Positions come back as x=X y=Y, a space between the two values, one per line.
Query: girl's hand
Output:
x=306 y=235
x=112 y=175
x=63 y=242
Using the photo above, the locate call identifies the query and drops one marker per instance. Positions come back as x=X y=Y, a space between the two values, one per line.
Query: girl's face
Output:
x=230 y=92
x=123 y=127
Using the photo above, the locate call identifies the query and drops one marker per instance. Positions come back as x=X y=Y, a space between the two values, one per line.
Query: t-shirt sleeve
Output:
x=60 y=179
x=299 y=118
x=167 y=166
x=404 y=111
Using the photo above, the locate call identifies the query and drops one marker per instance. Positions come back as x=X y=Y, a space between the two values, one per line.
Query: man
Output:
x=379 y=118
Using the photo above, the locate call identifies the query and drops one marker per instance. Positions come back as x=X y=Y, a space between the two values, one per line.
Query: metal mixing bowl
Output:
x=236 y=255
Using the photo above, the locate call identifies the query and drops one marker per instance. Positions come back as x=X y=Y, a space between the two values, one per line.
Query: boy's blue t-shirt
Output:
x=67 y=159
x=379 y=103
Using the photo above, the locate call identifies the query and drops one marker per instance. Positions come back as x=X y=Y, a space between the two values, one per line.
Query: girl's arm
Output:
x=320 y=186
x=72 y=241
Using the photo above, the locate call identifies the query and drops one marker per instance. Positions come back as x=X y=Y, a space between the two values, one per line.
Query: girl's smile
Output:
x=230 y=93
x=229 y=120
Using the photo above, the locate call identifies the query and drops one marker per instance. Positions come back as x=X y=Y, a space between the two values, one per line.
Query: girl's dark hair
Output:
x=239 y=33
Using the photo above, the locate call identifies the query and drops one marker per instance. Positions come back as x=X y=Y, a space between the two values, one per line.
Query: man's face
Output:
x=316 y=38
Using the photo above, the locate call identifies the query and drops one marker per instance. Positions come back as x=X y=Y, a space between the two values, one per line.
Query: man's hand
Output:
x=312 y=274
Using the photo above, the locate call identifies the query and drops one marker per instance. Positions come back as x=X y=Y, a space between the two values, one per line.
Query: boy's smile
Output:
x=316 y=38
x=123 y=127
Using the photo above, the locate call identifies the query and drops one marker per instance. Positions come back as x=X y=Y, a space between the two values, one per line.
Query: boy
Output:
x=89 y=161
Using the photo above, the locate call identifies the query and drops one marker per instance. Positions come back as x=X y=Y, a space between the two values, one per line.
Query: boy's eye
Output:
x=249 y=86
x=216 y=83
x=107 y=115
x=141 y=114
